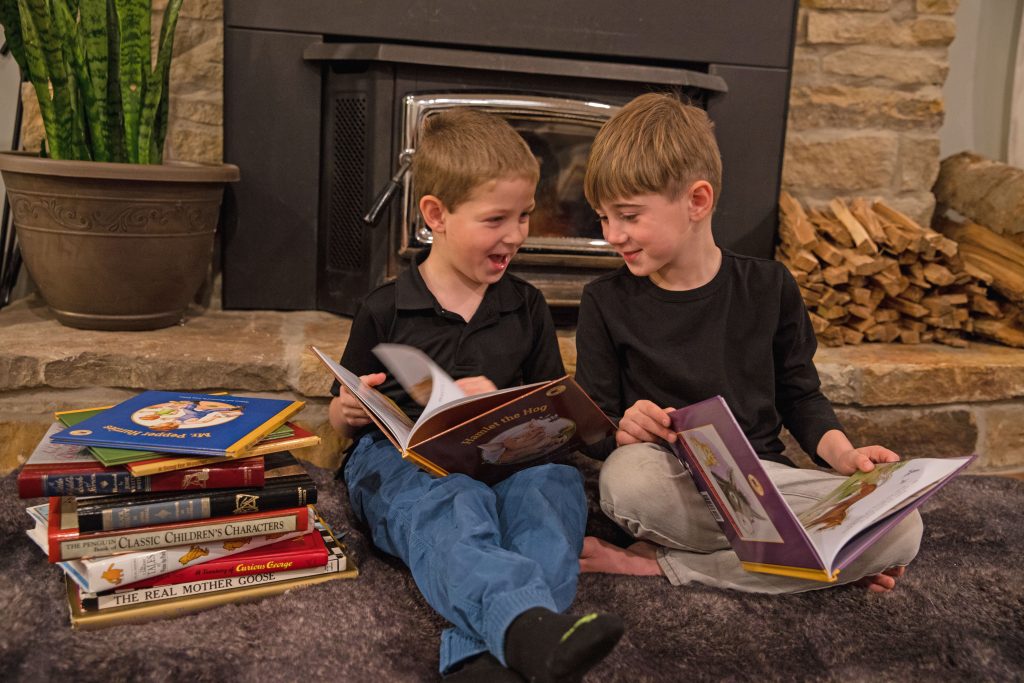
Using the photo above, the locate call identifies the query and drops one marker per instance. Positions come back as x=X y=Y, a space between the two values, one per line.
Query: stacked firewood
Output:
x=868 y=272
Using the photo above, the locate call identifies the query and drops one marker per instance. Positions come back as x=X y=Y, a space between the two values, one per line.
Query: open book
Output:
x=765 y=533
x=486 y=436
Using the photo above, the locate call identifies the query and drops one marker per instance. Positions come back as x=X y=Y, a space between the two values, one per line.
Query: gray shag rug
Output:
x=958 y=614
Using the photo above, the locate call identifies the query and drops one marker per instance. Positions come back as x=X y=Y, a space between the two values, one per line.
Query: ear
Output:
x=433 y=211
x=701 y=198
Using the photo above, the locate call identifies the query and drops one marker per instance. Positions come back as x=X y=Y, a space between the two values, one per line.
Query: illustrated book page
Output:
x=759 y=523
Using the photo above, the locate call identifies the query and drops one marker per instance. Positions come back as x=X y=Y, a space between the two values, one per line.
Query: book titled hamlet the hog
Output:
x=764 y=531
x=486 y=436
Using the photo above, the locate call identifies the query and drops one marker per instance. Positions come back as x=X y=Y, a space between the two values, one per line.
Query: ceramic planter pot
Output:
x=115 y=246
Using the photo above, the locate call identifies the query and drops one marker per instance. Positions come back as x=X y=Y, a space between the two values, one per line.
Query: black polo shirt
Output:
x=510 y=339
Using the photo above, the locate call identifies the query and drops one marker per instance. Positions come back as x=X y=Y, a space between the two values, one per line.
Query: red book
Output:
x=297 y=553
x=66 y=542
x=62 y=470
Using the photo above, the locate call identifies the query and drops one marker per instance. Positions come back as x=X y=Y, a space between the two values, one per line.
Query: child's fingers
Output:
x=881 y=454
x=645 y=428
x=373 y=379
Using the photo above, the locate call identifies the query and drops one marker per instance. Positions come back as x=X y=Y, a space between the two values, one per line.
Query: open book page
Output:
x=422 y=378
x=867 y=497
x=388 y=416
x=433 y=388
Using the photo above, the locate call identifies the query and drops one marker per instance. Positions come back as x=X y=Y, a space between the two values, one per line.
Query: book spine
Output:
x=245 y=473
x=131 y=515
x=65 y=545
x=109 y=573
x=268 y=562
x=39 y=484
x=140 y=596
x=142 y=468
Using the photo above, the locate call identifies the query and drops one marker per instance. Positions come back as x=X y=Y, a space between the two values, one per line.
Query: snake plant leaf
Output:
x=88 y=133
x=92 y=32
x=133 y=19
x=11 y=21
x=115 y=112
x=151 y=133
x=39 y=75
x=60 y=83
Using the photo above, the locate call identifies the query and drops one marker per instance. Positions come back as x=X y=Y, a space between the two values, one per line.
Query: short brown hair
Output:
x=462 y=148
x=655 y=144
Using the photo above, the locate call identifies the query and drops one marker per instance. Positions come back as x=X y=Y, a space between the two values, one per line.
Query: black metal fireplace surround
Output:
x=317 y=102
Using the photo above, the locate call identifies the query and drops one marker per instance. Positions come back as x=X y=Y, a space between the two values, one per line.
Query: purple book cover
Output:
x=758 y=522
x=751 y=511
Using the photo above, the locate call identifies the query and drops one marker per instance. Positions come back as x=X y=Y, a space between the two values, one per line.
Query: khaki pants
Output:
x=646 y=491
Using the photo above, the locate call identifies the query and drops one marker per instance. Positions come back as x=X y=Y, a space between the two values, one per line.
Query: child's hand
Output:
x=644 y=422
x=862 y=459
x=476 y=385
x=837 y=451
x=345 y=409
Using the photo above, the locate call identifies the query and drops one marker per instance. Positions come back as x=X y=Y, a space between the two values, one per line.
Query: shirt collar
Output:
x=412 y=293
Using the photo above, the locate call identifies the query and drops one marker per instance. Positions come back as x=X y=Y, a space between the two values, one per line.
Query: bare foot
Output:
x=882 y=583
x=601 y=557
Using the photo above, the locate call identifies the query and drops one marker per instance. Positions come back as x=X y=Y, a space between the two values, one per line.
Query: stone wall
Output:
x=866 y=101
x=865 y=107
x=926 y=400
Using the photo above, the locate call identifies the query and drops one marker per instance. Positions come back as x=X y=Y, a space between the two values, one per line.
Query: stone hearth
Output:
x=920 y=400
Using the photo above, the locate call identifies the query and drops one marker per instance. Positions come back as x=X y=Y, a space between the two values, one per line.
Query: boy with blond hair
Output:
x=685 y=320
x=499 y=563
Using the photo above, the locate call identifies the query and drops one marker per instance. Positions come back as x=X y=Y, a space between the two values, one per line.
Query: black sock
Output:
x=484 y=668
x=546 y=647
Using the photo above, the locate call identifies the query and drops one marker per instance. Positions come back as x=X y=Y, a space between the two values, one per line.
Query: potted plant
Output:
x=113 y=237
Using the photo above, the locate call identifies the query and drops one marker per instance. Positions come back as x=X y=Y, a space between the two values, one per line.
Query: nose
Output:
x=613 y=233
x=516 y=233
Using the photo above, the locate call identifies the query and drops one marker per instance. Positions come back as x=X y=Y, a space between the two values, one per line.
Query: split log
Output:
x=986 y=191
x=870 y=273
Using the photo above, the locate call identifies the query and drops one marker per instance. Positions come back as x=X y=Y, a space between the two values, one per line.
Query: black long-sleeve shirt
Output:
x=744 y=335
x=510 y=339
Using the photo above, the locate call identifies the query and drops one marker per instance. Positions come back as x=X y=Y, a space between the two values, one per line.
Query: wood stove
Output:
x=322 y=100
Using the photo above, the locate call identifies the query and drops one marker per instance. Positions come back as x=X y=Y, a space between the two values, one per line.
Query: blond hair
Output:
x=653 y=145
x=462 y=148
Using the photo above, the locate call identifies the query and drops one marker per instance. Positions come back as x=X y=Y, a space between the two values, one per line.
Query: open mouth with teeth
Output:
x=499 y=261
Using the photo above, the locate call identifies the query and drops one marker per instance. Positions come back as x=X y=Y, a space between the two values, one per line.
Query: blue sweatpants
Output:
x=480 y=555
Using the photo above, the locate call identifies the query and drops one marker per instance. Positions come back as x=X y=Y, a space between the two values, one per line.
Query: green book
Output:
x=120 y=456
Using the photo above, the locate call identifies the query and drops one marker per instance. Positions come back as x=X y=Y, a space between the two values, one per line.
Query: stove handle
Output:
x=384 y=196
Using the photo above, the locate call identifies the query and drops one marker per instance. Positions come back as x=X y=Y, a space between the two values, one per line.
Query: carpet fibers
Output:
x=958 y=614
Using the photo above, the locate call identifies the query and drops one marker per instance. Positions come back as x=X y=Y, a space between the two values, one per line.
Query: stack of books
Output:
x=171 y=502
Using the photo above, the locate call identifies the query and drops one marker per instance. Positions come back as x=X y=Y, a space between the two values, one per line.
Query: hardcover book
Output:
x=285 y=485
x=486 y=436
x=290 y=554
x=66 y=542
x=63 y=470
x=162 y=602
x=277 y=440
x=95 y=575
x=765 y=533
x=292 y=437
x=174 y=422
